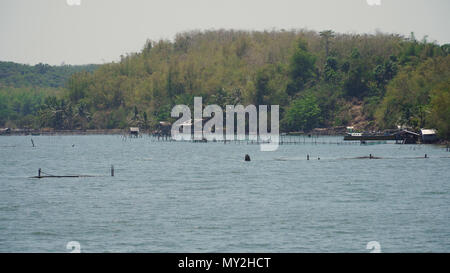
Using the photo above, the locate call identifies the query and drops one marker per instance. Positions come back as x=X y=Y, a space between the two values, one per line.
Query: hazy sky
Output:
x=97 y=31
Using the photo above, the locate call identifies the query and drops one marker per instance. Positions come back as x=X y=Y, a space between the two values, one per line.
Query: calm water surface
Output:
x=187 y=197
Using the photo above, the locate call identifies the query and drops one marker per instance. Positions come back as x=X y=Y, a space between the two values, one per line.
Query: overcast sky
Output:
x=98 y=31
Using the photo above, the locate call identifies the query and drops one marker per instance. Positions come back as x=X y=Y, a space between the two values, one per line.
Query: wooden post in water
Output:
x=307 y=157
x=39 y=173
x=112 y=170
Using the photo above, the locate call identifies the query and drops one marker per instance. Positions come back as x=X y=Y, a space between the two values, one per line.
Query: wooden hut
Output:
x=164 y=128
x=407 y=137
x=134 y=131
x=5 y=131
x=429 y=135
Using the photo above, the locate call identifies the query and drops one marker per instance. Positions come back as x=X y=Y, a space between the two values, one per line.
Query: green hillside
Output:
x=23 y=89
x=40 y=75
x=319 y=80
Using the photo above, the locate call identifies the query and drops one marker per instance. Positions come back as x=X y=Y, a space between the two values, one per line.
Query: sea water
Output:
x=203 y=197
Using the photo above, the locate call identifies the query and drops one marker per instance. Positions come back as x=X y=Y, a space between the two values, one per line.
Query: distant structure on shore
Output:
x=429 y=135
x=5 y=131
x=401 y=137
x=134 y=131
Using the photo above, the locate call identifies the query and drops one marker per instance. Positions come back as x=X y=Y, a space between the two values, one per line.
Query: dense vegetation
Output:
x=318 y=79
x=40 y=75
x=24 y=88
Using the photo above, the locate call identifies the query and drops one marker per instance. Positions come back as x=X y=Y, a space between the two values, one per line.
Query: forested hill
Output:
x=319 y=79
x=24 y=89
x=40 y=75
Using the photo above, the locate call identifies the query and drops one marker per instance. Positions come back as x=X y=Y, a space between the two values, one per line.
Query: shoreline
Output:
x=19 y=132
x=26 y=132
x=50 y=132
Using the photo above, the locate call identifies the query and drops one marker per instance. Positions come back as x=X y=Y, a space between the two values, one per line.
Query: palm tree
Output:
x=56 y=113
x=327 y=35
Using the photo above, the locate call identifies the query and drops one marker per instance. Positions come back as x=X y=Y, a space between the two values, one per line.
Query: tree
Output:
x=331 y=70
x=440 y=109
x=302 y=114
x=56 y=113
x=77 y=86
x=145 y=120
x=355 y=83
x=82 y=115
x=327 y=35
x=136 y=113
x=302 y=67
x=262 y=88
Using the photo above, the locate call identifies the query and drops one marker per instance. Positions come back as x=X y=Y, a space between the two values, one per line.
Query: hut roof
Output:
x=428 y=131
x=408 y=132
x=164 y=123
